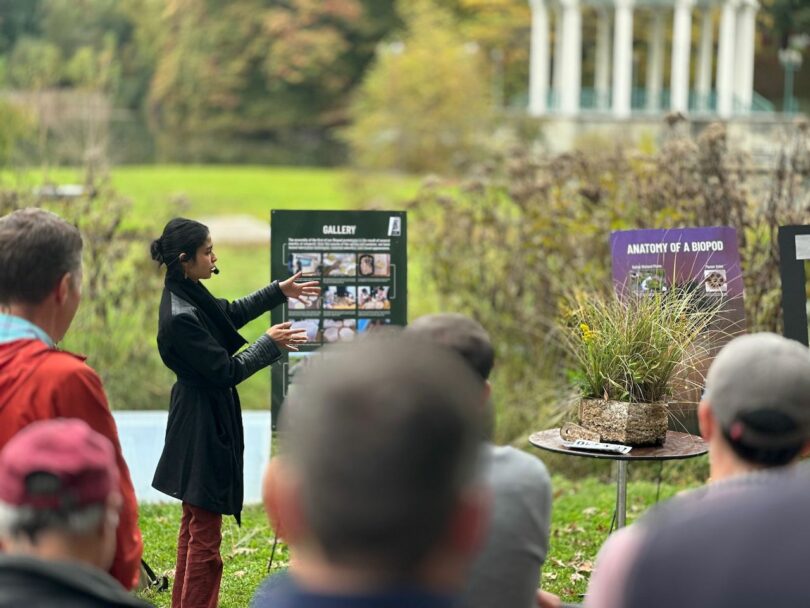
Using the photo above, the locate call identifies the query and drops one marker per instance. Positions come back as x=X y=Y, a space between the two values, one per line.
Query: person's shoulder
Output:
x=179 y=306
x=68 y=377
x=62 y=363
x=273 y=591
x=514 y=463
x=183 y=315
x=60 y=583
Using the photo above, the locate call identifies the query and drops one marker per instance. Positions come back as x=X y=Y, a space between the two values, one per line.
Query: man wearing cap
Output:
x=59 y=506
x=40 y=290
x=507 y=571
x=755 y=417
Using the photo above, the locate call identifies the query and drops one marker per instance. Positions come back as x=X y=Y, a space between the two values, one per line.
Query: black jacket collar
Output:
x=195 y=293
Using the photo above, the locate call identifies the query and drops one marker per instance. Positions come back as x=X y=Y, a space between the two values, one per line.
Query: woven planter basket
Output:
x=626 y=423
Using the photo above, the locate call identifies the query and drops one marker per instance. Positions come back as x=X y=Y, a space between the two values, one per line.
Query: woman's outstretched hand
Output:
x=287 y=338
x=291 y=289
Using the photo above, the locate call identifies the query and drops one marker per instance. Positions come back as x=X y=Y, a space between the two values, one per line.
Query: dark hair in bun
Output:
x=156 y=249
x=180 y=236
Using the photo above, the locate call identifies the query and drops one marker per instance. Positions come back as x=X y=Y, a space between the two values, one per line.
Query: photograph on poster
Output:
x=307 y=263
x=715 y=280
x=339 y=330
x=374 y=264
x=648 y=279
x=340 y=297
x=373 y=297
x=364 y=325
x=312 y=326
x=339 y=264
x=304 y=303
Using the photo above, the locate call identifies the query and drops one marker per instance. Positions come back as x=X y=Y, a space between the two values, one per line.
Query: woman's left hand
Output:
x=291 y=289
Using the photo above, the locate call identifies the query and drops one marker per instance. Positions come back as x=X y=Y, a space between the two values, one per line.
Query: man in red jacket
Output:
x=40 y=289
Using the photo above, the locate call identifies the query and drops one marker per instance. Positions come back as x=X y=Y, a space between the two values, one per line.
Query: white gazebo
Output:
x=555 y=83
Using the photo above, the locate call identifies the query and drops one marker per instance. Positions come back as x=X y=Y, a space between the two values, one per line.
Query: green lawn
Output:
x=205 y=190
x=580 y=524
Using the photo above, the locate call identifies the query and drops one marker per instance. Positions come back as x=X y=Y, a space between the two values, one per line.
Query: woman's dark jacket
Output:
x=202 y=460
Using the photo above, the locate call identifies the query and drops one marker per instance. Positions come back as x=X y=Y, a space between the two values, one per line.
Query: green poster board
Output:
x=360 y=260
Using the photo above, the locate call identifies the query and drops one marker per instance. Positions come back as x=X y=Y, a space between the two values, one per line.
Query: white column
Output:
x=744 y=54
x=704 y=76
x=572 y=57
x=558 y=56
x=681 y=47
x=539 y=60
x=725 y=60
x=655 y=62
x=622 y=58
x=602 y=71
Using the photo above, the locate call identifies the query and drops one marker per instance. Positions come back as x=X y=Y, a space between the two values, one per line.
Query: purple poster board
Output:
x=645 y=260
x=705 y=259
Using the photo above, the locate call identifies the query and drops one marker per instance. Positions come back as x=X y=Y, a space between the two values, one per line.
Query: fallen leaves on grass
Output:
x=241 y=551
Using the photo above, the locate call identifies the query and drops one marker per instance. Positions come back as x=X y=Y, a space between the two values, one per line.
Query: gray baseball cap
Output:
x=759 y=373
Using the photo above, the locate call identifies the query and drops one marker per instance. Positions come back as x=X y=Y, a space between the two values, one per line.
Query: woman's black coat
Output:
x=202 y=460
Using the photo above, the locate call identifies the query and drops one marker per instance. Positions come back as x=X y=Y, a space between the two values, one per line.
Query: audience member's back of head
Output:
x=38 y=249
x=758 y=391
x=461 y=334
x=59 y=495
x=383 y=442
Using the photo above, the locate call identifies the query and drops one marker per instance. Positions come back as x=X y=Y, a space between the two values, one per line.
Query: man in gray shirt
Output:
x=506 y=574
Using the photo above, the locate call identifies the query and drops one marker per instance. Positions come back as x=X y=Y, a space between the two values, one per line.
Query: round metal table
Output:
x=676 y=446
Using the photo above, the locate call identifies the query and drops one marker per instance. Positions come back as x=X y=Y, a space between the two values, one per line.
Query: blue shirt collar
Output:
x=14 y=328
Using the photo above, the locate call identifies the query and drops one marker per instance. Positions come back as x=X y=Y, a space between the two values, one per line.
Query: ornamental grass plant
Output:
x=631 y=348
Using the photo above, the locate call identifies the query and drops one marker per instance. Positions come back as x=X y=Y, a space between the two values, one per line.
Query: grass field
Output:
x=204 y=190
x=581 y=519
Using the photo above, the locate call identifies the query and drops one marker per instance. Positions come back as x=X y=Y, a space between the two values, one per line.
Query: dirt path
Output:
x=237 y=230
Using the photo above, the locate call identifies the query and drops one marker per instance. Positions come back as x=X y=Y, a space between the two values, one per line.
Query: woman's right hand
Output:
x=287 y=338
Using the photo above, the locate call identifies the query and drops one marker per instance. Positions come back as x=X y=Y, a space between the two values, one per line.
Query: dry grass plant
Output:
x=630 y=349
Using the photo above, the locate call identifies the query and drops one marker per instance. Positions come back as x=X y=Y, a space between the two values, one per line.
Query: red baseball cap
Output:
x=57 y=464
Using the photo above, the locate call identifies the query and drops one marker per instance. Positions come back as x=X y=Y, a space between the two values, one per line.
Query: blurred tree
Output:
x=15 y=128
x=788 y=17
x=502 y=28
x=75 y=24
x=34 y=64
x=425 y=103
x=96 y=70
x=19 y=18
x=251 y=67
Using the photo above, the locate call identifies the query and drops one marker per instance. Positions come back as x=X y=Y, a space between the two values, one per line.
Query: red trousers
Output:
x=199 y=565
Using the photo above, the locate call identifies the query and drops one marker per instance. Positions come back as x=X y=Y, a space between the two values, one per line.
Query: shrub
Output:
x=424 y=105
